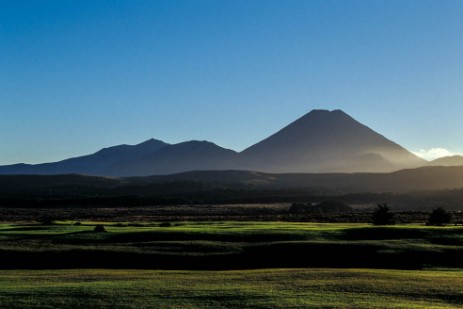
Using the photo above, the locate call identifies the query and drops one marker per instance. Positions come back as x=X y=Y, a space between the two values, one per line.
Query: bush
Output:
x=382 y=216
x=165 y=224
x=99 y=228
x=439 y=217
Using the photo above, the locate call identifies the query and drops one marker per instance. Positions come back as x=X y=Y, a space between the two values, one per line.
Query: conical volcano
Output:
x=327 y=141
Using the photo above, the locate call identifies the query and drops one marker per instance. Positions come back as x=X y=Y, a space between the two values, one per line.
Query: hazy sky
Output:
x=76 y=76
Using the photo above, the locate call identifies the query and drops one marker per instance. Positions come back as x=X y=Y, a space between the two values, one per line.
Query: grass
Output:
x=267 y=288
x=229 y=265
x=229 y=245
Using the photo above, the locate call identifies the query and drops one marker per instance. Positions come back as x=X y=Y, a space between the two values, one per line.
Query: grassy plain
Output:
x=265 y=288
x=226 y=264
x=229 y=245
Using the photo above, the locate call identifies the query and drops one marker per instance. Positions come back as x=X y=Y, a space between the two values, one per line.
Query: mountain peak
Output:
x=333 y=112
x=326 y=111
x=181 y=157
x=323 y=116
x=152 y=142
x=328 y=141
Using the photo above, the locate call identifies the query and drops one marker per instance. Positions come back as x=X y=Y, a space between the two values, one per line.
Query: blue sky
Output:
x=76 y=76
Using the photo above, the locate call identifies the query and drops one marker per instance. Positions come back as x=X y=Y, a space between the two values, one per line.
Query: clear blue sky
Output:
x=76 y=76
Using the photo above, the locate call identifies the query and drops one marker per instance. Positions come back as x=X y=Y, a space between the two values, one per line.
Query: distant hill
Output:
x=409 y=180
x=324 y=141
x=419 y=179
x=50 y=185
x=319 y=142
x=99 y=163
x=447 y=161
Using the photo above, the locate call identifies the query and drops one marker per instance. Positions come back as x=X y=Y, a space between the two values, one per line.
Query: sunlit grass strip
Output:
x=275 y=288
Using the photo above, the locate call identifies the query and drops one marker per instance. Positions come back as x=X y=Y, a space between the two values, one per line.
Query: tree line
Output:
x=383 y=216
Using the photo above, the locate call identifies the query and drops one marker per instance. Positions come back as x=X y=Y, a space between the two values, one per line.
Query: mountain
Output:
x=181 y=157
x=319 y=142
x=327 y=141
x=447 y=161
x=99 y=163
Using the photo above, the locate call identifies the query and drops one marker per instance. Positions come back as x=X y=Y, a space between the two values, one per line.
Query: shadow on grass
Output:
x=382 y=233
x=284 y=255
x=179 y=236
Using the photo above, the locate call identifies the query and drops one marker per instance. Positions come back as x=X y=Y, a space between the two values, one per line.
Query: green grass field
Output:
x=230 y=264
x=229 y=245
x=266 y=288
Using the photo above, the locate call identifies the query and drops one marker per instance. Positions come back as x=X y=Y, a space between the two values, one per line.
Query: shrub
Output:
x=439 y=217
x=99 y=228
x=382 y=215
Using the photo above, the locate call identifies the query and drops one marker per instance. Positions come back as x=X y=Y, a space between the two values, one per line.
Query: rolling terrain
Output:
x=419 y=189
x=419 y=179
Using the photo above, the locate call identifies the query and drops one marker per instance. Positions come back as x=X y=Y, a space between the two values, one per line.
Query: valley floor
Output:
x=227 y=212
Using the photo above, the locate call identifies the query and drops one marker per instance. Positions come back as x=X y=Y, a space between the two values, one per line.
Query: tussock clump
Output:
x=99 y=228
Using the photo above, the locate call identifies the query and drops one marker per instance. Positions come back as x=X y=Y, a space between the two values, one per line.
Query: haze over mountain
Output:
x=447 y=161
x=319 y=142
x=426 y=178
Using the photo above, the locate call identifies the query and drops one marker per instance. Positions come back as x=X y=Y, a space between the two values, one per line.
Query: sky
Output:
x=77 y=76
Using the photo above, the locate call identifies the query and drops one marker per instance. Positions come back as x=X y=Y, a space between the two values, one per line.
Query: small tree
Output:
x=382 y=215
x=439 y=217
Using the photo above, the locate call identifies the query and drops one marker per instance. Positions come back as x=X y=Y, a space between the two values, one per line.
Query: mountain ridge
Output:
x=178 y=158
x=320 y=141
